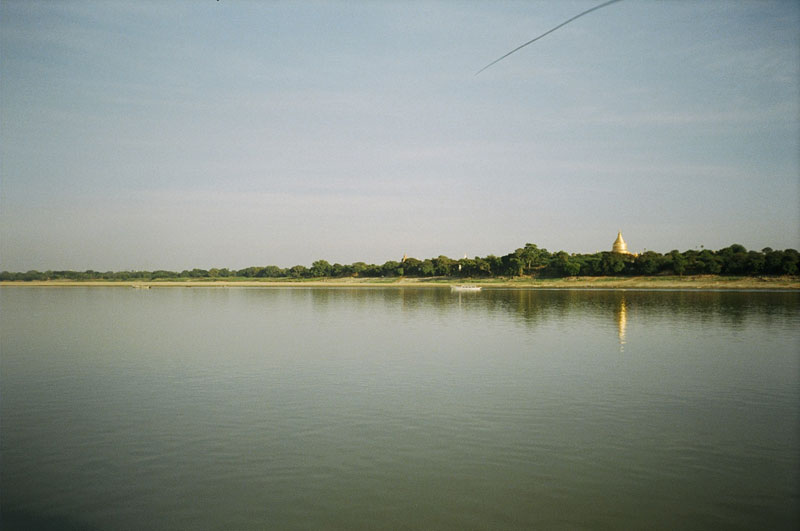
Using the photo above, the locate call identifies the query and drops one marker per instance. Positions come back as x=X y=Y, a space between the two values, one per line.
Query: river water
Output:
x=395 y=408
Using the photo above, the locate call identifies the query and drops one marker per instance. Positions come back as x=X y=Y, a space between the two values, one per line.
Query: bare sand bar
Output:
x=704 y=282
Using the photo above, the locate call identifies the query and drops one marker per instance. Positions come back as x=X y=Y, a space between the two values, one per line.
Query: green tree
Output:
x=558 y=264
x=320 y=268
x=648 y=263
x=773 y=261
x=373 y=270
x=495 y=264
x=427 y=268
x=534 y=259
x=443 y=265
x=612 y=263
x=756 y=263
x=411 y=266
x=734 y=259
x=516 y=261
x=272 y=271
x=391 y=269
x=338 y=271
x=677 y=262
x=358 y=268
x=483 y=267
x=712 y=264
x=250 y=272
x=789 y=263
x=466 y=267
x=33 y=275
x=298 y=271
x=572 y=268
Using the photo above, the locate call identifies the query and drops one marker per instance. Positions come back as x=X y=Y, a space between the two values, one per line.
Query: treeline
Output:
x=525 y=261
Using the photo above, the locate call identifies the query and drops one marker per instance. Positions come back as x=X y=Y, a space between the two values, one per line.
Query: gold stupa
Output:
x=619 y=245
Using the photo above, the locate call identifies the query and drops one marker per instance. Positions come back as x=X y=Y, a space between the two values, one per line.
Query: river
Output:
x=398 y=408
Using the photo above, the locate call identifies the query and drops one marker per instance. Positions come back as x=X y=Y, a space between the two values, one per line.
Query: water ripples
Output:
x=401 y=409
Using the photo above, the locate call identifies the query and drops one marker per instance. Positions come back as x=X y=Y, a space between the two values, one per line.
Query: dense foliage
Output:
x=526 y=261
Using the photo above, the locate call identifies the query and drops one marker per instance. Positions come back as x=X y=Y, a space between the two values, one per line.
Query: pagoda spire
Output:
x=619 y=245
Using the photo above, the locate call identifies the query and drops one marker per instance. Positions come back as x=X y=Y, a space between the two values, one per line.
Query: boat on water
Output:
x=465 y=287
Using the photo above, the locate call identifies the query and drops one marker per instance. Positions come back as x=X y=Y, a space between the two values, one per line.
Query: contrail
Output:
x=579 y=15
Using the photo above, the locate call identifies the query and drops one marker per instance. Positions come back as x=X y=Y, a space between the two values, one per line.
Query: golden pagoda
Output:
x=619 y=245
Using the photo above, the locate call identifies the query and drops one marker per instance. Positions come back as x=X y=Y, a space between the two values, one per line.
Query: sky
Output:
x=173 y=135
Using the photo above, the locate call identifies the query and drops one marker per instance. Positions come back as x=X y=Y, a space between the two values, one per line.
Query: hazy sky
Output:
x=141 y=135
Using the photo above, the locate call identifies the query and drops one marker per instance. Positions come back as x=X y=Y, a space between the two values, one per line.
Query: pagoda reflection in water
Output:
x=621 y=317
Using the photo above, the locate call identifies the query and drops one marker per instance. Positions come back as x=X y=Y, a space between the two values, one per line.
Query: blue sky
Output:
x=139 y=135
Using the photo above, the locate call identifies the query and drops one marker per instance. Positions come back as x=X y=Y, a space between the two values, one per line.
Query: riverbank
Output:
x=704 y=282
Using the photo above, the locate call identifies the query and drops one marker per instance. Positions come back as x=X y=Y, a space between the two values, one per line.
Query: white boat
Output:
x=465 y=287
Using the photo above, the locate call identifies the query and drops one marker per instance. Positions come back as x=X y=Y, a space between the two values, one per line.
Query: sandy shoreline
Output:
x=689 y=282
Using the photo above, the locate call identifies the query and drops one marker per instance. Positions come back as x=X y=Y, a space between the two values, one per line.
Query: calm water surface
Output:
x=395 y=408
